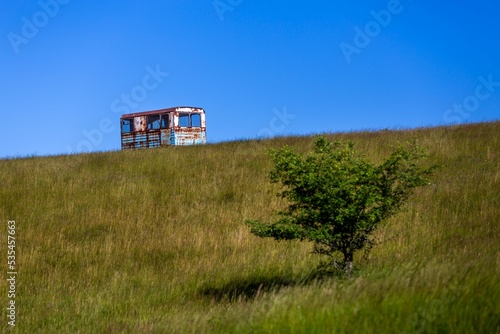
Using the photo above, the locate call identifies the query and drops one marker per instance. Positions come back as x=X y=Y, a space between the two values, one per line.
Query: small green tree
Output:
x=337 y=198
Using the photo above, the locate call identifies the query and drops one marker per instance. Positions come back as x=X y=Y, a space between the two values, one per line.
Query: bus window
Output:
x=153 y=122
x=127 y=125
x=164 y=121
x=184 y=120
x=195 y=120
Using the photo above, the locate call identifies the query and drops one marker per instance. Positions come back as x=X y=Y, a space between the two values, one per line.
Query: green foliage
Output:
x=338 y=198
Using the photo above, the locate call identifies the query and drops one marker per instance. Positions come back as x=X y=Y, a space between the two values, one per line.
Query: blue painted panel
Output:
x=141 y=140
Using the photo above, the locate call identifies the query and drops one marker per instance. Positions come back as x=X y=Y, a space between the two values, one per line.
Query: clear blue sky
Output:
x=69 y=68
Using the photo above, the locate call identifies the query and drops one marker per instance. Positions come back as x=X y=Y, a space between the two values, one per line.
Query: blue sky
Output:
x=69 y=68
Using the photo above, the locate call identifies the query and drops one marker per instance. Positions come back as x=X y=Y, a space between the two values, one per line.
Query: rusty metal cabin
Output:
x=165 y=127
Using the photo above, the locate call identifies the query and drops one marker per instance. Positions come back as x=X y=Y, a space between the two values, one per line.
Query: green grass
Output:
x=154 y=241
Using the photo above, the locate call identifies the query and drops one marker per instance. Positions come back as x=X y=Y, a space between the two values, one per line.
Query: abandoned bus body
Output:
x=165 y=127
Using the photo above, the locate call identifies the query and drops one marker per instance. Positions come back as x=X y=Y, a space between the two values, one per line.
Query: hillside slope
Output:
x=154 y=241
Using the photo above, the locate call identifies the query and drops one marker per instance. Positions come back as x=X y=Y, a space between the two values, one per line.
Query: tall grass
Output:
x=153 y=241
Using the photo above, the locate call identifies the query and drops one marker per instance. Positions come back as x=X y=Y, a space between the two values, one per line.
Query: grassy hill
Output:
x=154 y=241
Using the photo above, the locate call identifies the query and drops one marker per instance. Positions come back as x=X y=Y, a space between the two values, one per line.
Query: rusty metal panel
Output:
x=128 y=141
x=140 y=123
x=203 y=122
x=165 y=137
x=163 y=111
x=189 y=136
x=141 y=140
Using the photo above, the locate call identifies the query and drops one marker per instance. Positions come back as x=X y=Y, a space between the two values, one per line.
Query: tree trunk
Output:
x=348 y=263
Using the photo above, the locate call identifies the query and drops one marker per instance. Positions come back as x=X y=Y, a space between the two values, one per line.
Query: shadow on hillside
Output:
x=252 y=286
x=248 y=287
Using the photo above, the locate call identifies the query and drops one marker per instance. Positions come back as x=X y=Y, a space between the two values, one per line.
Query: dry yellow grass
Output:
x=155 y=241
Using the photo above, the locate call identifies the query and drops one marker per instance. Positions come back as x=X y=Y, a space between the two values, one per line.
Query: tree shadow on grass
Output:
x=250 y=287
x=246 y=288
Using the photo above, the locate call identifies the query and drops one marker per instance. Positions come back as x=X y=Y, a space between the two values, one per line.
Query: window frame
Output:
x=181 y=116
x=131 y=125
x=162 y=117
x=148 y=123
x=190 y=119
